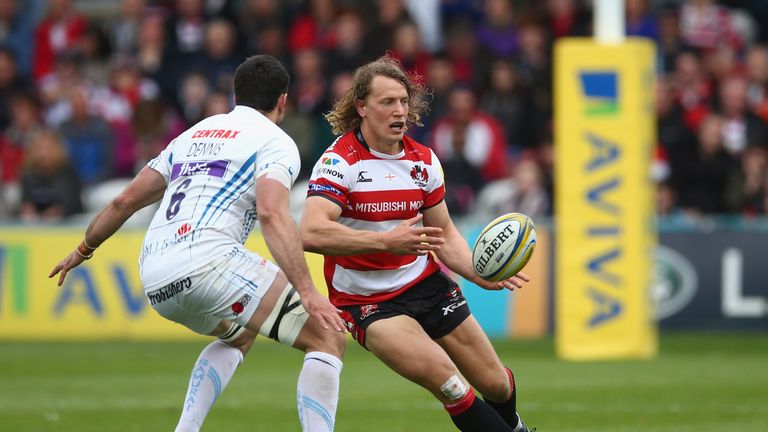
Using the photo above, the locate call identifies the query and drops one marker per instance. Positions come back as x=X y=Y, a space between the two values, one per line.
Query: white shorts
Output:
x=230 y=288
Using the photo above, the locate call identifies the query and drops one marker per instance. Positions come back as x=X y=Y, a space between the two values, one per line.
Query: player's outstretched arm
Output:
x=456 y=254
x=147 y=187
x=321 y=233
x=284 y=243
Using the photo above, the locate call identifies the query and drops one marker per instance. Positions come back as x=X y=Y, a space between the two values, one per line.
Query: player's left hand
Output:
x=71 y=261
x=516 y=281
x=321 y=309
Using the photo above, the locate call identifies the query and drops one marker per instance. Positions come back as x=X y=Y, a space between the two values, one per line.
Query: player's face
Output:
x=384 y=112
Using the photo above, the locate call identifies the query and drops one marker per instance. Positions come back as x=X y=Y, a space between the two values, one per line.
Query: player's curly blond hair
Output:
x=344 y=117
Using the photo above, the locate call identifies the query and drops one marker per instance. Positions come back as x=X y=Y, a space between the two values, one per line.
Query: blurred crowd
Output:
x=86 y=98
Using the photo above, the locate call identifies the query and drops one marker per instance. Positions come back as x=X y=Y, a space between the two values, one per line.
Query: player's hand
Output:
x=407 y=239
x=321 y=309
x=516 y=281
x=71 y=261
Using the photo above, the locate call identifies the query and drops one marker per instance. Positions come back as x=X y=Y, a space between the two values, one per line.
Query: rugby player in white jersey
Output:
x=375 y=209
x=215 y=180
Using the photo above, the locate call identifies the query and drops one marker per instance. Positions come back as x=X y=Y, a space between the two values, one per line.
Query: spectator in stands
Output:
x=309 y=82
x=50 y=189
x=11 y=82
x=670 y=43
x=512 y=106
x=407 y=49
x=352 y=47
x=534 y=65
x=388 y=15
x=314 y=27
x=25 y=124
x=497 y=33
x=701 y=181
x=124 y=28
x=88 y=139
x=256 y=16
x=568 y=18
x=741 y=128
x=17 y=21
x=676 y=140
x=194 y=90
x=55 y=88
x=153 y=59
x=220 y=57
x=94 y=52
x=469 y=60
x=747 y=188
x=153 y=125
x=640 y=21
x=757 y=74
x=471 y=147
x=691 y=88
x=706 y=25
x=185 y=30
x=57 y=33
x=521 y=191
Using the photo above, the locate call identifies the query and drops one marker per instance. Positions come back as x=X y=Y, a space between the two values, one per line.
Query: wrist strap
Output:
x=86 y=245
x=84 y=251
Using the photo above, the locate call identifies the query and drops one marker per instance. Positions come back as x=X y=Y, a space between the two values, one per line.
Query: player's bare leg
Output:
x=472 y=352
x=402 y=344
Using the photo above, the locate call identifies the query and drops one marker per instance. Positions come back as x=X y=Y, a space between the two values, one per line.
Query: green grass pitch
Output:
x=700 y=382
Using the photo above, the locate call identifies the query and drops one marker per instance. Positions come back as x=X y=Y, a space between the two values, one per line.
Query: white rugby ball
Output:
x=504 y=247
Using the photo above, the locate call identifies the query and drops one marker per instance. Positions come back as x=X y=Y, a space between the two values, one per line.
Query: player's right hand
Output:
x=321 y=309
x=408 y=239
x=71 y=261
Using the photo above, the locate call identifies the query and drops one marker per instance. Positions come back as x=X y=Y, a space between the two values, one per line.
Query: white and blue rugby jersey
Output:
x=209 y=204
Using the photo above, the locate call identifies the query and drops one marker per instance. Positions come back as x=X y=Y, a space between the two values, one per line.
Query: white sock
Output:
x=318 y=392
x=213 y=369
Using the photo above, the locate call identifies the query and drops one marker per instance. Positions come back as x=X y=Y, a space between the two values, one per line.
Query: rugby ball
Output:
x=504 y=247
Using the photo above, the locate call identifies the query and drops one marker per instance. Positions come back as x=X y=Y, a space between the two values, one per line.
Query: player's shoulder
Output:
x=416 y=151
x=344 y=148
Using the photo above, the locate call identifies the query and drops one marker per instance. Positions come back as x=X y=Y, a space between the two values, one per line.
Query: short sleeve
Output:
x=435 y=189
x=163 y=162
x=279 y=160
x=330 y=179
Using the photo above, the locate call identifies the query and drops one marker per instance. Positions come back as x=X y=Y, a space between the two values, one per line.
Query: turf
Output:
x=699 y=382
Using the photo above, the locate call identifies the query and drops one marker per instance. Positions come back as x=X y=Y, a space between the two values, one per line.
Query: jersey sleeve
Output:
x=330 y=179
x=435 y=190
x=279 y=160
x=163 y=162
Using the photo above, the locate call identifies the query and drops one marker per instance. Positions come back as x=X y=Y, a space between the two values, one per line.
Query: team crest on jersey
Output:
x=184 y=230
x=419 y=176
x=368 y=310
x=239 y=306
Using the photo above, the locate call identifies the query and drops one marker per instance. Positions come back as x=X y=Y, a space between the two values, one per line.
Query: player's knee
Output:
x=496 y=387
x=454 y=388
x=240 y=338
x=332 y=343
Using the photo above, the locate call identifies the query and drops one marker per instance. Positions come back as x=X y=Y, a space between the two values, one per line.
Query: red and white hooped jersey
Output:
x=376 y=192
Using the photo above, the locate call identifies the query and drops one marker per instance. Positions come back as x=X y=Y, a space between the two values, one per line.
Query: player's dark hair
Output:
x=259 y=82
x=344 y=117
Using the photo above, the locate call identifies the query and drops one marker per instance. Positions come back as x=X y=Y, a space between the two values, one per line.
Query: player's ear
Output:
x=282 y=101
x=360 y=107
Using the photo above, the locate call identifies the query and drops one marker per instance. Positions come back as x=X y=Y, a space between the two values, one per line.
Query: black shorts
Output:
x=436 y=303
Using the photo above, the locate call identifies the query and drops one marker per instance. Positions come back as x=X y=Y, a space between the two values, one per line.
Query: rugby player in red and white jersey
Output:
x=375 y=209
